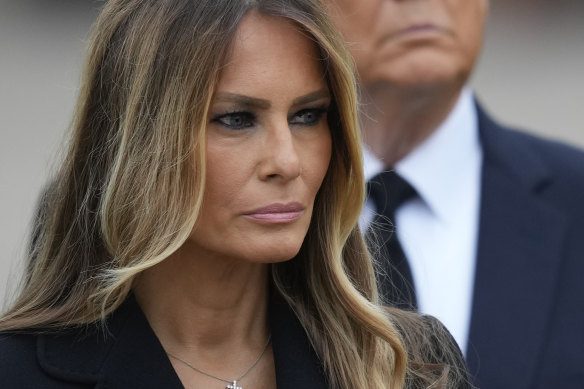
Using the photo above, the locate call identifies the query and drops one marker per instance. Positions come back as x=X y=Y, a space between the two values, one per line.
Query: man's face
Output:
x=411 y=43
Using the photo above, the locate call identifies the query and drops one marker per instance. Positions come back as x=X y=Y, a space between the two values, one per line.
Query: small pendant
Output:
x=234 y=385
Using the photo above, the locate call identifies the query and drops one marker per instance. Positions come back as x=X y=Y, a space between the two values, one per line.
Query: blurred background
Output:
x=530 y=75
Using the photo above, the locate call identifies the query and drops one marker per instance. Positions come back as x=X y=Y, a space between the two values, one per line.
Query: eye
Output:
x=235 y=120
x=308 y=117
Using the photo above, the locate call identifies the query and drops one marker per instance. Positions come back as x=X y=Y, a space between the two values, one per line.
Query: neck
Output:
x=396 y=120
x=202 y=303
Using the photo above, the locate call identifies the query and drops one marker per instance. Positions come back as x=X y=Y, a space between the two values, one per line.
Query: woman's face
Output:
x=268 y=145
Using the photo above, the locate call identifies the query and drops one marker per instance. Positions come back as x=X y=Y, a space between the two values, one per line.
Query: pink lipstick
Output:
x=277 y=213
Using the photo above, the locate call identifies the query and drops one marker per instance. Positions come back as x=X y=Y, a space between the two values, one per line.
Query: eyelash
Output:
x=248 y=119
x=318 y=113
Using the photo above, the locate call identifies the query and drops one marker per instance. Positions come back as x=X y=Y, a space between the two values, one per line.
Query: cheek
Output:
x=227 y=171
x=356 y=21
x=470 y=18
x=317 y=160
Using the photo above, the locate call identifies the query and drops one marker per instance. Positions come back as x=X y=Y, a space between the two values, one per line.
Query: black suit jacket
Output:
x=527 y=323
x=129 y=355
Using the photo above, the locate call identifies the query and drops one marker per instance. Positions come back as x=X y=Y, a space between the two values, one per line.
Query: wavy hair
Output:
x=130 y=189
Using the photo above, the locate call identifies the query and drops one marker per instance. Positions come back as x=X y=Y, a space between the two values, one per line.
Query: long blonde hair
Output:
x=131 y=186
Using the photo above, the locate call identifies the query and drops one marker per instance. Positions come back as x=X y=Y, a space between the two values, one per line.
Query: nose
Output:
x=280 y=155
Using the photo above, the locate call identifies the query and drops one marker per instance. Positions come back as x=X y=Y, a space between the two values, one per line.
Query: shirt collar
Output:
x=371 y=164
x=450 y=150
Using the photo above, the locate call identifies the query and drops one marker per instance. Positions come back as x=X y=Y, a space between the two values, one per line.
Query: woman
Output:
x=202 y=230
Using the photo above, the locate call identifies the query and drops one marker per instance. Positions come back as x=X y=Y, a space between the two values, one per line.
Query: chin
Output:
x=424 y=68
x=275 y=254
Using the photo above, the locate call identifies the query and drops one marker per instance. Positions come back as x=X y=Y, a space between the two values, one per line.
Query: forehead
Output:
x=269 y=49
x=258 y=33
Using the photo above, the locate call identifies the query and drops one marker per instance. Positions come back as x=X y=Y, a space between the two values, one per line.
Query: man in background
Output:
x=493 y=229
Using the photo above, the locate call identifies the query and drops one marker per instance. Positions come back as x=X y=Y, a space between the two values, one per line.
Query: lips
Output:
x=419 y=28
x=415 y=29
x=277 y=213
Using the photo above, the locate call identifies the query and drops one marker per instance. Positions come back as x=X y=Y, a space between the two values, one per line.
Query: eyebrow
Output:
x=253 y=102
x=309 y=98
x=243 y=100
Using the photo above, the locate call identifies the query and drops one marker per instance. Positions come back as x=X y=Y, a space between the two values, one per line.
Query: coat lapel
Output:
x=128 y=355
x=138 y=360
x=515 y=275
x=297 y=365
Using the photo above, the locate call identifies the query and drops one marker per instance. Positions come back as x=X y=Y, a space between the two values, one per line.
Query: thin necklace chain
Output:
x=223 y=379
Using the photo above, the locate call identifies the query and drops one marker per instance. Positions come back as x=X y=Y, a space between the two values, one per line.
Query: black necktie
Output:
x=388 y=191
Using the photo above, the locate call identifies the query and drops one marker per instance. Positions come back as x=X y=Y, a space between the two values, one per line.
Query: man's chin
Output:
x=421 y=68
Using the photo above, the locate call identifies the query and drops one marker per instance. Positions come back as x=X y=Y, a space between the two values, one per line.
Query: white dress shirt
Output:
x=438 y=230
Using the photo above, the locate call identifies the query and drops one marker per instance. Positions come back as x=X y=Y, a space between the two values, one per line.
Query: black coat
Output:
x=130 y=356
